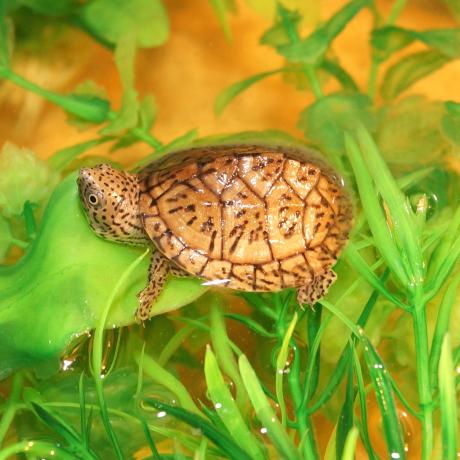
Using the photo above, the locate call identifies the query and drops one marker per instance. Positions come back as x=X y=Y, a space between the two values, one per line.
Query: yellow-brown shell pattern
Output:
x=247 y=217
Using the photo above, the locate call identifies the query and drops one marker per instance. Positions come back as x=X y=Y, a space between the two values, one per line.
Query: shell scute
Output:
x=247 y=217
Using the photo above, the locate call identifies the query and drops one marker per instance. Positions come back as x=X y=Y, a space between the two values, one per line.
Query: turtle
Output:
x=246 y=217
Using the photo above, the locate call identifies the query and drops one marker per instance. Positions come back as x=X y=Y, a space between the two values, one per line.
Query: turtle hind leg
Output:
x=158 y=273
x=317 y=289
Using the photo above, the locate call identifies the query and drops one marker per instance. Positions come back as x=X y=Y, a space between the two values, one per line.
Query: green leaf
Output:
x=442 y=328
x=221 y=8
x=226 y=444
x=374 y=212
x=264 y=412
x=448 y=400
x=340 y=74
x=228 y=94
x=324 y=122
x=128 y=115
x=312 y=49
x=388 y=40
x=277 y=34
x=281 y=362
x=410 y=69
x=227 y=410
x=5 y=237
x=50 y=7
x=5 y=40
x=148 y=111
x=350 y=444
x=385 y=400
x=345 y=422
x=451 y=122
x=400 y=217
x=111 y=20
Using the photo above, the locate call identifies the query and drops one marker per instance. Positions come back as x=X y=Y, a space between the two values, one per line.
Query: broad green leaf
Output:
x=228 y=94
x=409 y=131
x=451 y=122
x=227 y=409
x=409 y=70
x=325 y=121
x=312 y=49
x=5 y=237
x=50 y=7
x=111 y=20
x=264 y=412
x=448 y=399
x=128 y=115
x=5 y=40
x=222 y=8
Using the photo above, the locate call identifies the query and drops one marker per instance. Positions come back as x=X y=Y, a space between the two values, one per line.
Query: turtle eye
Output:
x=93 y=199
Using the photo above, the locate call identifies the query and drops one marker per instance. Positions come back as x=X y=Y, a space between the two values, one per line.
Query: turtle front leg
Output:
x=317 y=289
x=158 y=272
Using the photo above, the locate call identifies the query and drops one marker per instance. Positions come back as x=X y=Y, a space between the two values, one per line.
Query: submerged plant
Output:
x=248 y=376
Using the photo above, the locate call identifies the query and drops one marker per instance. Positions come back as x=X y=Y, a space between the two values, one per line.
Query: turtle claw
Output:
x=317 y=289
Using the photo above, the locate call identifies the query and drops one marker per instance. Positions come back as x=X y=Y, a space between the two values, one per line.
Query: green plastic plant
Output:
x=397 y=279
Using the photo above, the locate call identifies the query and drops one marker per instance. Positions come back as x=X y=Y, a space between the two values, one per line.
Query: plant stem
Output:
x=423 y=374
x=310 y=72
x=372 y=84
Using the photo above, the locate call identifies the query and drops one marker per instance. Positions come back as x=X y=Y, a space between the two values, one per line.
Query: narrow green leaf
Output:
x=62 y=158
x=312 y=49
x=264 y=412
x=283 y=30
x=228 y=94
x=110 y=20
x=227 y=410
x=160 y=375
x=314 y=333
x=374 y=212
x=402 y=224
x=148 y=111
x=346 y=416
x=363 y=406
x=221 y=8
x=281 y=362
x=385 y=400
x=388 y=40
x=340 y=74
x=224 y=353
x=350 y=444
x=409 y=70
x=451 y=122
x=448 y=400
x=227 y=445
x=252 y=325
x=442 y=327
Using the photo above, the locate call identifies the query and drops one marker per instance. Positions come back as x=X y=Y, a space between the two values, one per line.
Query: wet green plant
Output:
x=261 y=401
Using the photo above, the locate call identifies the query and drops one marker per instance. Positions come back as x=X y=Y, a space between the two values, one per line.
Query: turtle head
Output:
x=110 y=199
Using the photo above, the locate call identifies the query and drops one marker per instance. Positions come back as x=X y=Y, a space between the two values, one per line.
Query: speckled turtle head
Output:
x=110 y=199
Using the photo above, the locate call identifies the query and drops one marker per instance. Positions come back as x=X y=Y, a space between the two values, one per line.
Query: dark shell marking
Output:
x=247 y=217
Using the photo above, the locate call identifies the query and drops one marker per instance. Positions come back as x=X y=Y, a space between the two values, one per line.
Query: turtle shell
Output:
x=249 y=217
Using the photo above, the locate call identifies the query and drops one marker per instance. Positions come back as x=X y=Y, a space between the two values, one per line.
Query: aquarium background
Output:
x=370 y=372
